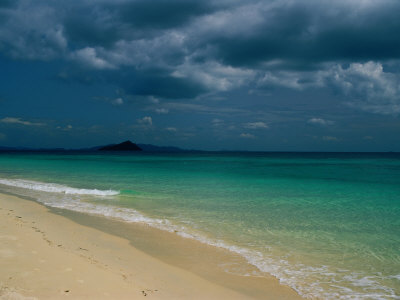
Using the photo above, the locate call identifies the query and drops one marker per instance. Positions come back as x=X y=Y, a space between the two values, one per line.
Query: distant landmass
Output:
x=152 y=148
x=124 y=146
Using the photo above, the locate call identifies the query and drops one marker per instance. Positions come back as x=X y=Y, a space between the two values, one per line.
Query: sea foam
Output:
x=55 y=188
x=285 y=272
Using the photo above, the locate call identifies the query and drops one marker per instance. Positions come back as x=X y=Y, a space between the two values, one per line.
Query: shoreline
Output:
x=48 y=250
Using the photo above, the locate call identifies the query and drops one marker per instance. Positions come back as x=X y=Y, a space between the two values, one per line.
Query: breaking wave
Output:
x=55 y=188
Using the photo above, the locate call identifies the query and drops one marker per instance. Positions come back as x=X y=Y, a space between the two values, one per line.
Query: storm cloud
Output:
x=165 y=42
x=269 y=60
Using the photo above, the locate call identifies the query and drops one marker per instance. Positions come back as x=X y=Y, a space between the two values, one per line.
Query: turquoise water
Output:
x=327 y=225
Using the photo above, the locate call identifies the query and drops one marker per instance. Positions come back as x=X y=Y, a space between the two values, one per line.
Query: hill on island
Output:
x=127 y=146
x=124 y=146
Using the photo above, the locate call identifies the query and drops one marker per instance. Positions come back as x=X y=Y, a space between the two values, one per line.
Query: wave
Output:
x=54 y=187
x=288 y=274
x=285 y=272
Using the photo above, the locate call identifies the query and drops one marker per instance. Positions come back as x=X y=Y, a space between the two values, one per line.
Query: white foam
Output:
x=343 y=283
x=55 y=188
x=396 y=276
x=288 y=274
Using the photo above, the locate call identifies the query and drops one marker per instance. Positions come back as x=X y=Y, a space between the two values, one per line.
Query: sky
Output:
x=278 y=75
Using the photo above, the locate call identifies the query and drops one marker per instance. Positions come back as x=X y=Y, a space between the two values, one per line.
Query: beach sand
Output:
x=51 y=254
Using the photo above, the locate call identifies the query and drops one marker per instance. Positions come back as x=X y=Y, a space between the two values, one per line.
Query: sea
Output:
x=325 y=224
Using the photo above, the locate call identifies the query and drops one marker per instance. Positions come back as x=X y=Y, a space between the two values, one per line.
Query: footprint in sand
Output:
x=147 y=291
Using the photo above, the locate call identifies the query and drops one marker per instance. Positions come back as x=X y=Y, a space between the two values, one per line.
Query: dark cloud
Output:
x=185 y=48
x=7 y=3
x=159 y=83
x=161 y=14
x=246 y=33
x=308 y=32
x=30 y=32
x=95 y=29
x=278 y=34
x=105 y=23
x=374 y=39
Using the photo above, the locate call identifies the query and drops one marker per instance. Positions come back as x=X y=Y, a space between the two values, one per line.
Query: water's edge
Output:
x=204 y=260
x=325 y=226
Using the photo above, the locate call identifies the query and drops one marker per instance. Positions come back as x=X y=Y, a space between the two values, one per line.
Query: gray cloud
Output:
x=89 y=57
x=237 y=33
x=117 y=101
x=161 y=14
x=320 y=121
x=99 y=27
x=183 y=49
x=19 y=121
x=161 y=111
x=171 y=129
x=158 y=83
x=247 y=136
x=306 y=32
x=146 y=121
x=368 y=86
x=204 y=109
x=256 y=125
x=31 y=32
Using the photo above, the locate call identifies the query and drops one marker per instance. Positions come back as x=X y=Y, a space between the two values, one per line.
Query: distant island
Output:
x=124 y=146
x=130 y=146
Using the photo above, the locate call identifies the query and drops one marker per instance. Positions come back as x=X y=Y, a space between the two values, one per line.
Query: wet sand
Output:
x=53 y=253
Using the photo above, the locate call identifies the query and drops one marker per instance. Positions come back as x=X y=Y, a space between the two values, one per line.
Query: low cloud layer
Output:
x=256 y=125
x=19 y=121
x=320 y=121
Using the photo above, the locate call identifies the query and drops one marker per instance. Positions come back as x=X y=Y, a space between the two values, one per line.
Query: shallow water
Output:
x=327 y=225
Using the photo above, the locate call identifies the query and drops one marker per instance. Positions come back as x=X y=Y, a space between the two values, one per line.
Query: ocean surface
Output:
x=326 y=224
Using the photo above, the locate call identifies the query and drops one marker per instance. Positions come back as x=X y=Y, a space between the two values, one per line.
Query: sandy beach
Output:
x=51 y=254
